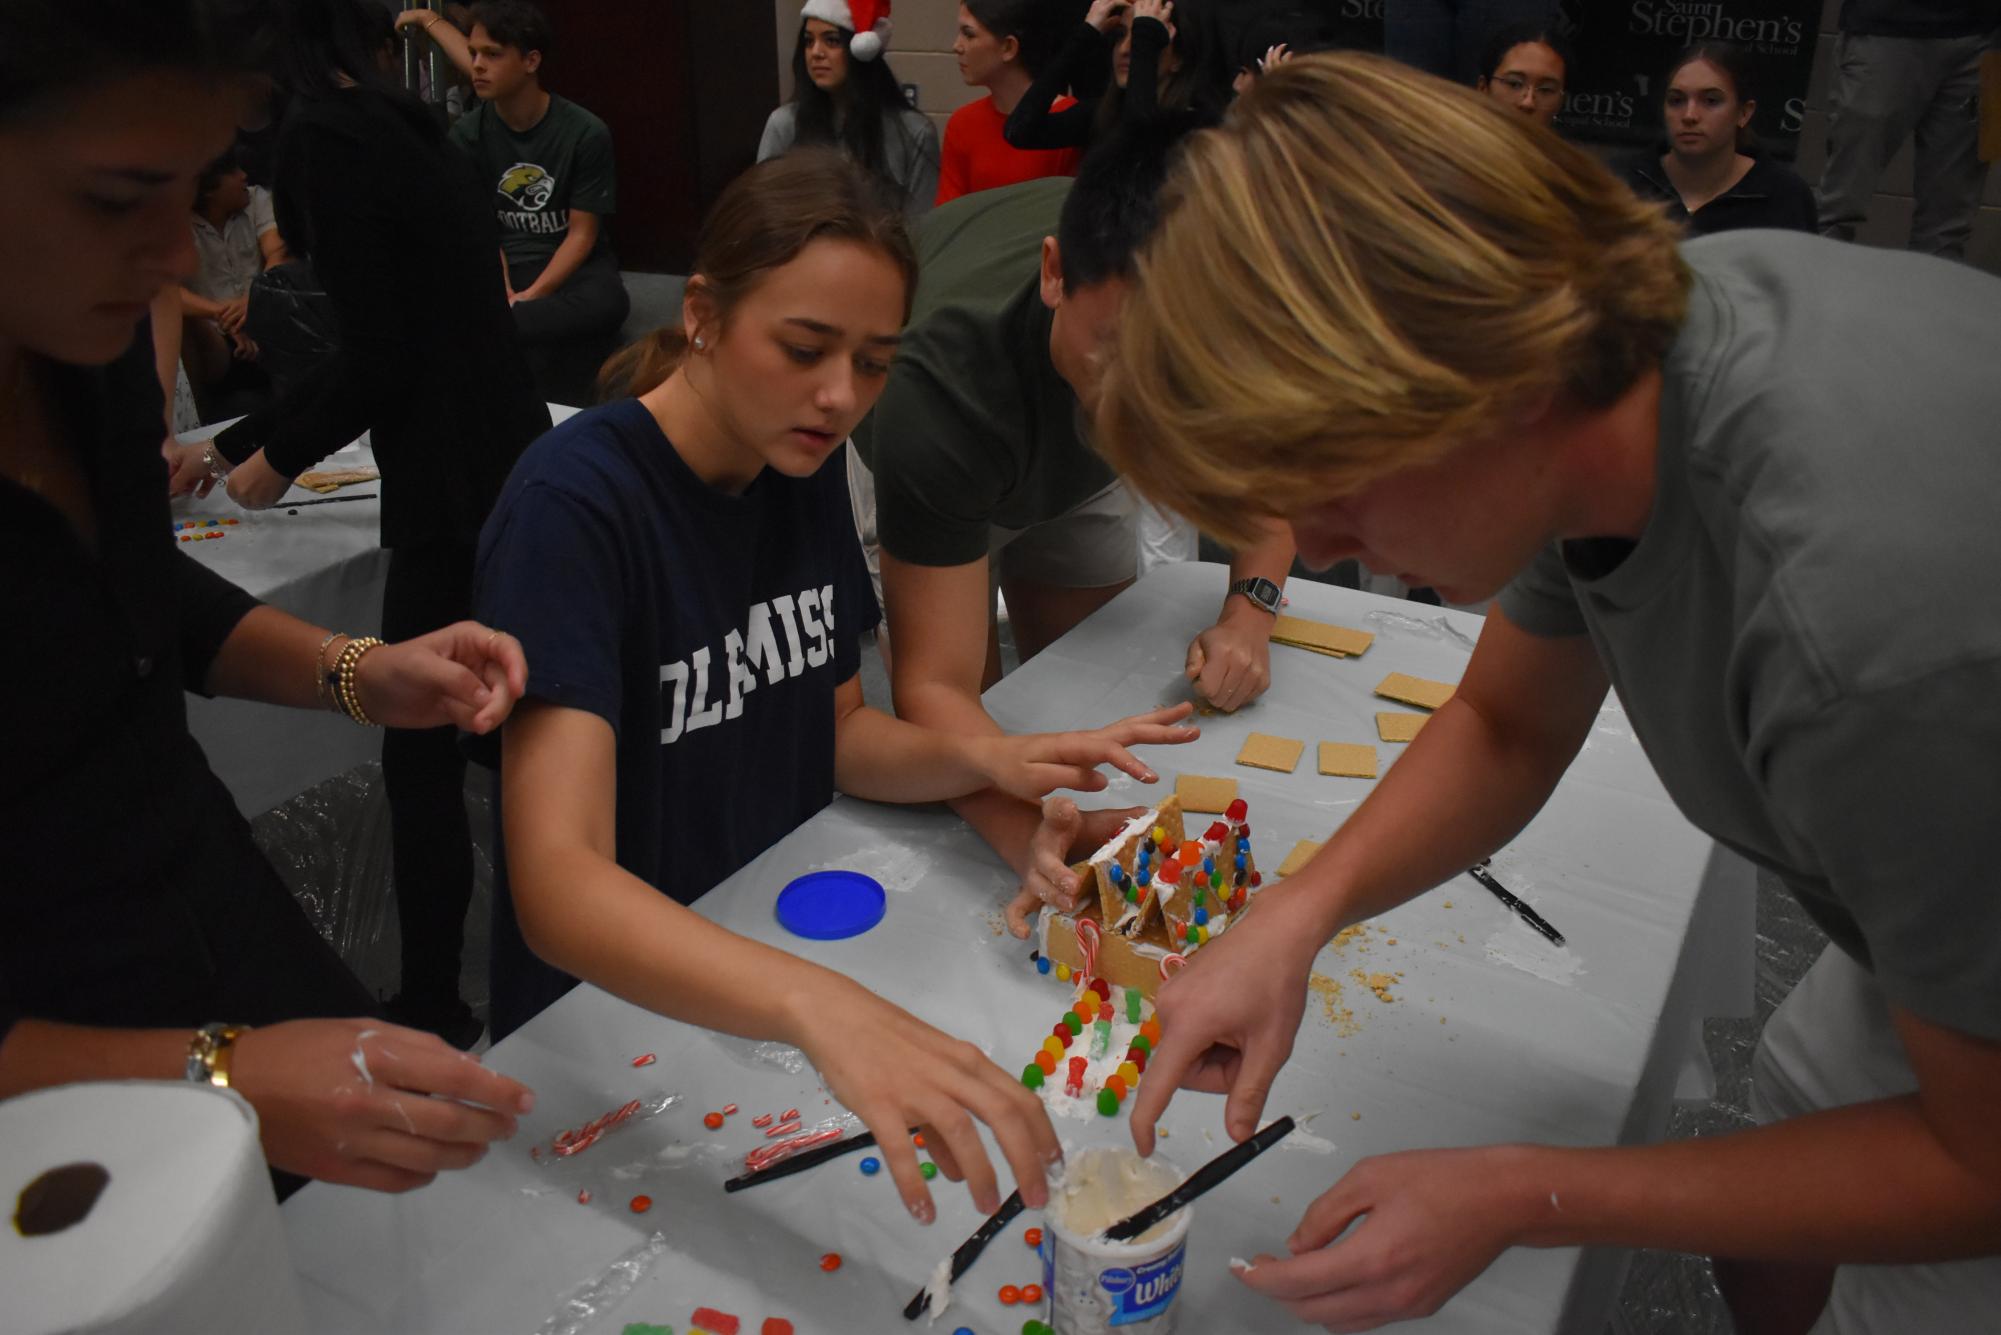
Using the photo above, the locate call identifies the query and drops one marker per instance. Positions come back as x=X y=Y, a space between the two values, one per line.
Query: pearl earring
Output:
x=699 y=344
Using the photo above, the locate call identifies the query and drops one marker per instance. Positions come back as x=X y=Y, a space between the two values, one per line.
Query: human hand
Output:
x=1161 y=11
x=1229 y=1016
x=415 y=18
x=466 y=675
x=232 y=314
x=242 y=347
x=1274 y=57
x=908 y=1074
x=255 y=485
x=187 y=467
x=1032 y=764
x=1104 y=14
x=1230 y=663
x=368 y=1104
x=1432 y=1220
x=1064 y=832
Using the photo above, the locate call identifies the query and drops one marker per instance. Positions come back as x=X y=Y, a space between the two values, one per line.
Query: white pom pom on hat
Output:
x=868 y=20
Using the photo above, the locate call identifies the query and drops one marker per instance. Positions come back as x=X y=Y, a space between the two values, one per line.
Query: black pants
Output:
x=423 y=773
x=568 y=334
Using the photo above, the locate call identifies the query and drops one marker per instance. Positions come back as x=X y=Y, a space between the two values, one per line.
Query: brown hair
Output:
x=1361 y=269
x=763 y=220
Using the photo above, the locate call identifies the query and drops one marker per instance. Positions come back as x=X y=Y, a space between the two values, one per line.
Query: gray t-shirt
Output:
x=1807 y=636
x=909 y=150
x=229 y=257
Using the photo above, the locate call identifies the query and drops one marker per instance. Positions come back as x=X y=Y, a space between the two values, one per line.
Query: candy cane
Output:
x=1088 y=939
x=1176 y=960
x=766 y=1155
x=567 y=1143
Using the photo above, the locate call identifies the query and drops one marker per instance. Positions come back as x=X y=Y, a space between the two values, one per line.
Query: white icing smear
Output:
x=1102 y=1186
x=1299 y=1138
x=1137 y=825
x=938 y=1289
x=1520 y=946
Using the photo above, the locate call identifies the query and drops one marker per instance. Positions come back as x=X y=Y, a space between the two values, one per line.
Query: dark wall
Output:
x=685 y=86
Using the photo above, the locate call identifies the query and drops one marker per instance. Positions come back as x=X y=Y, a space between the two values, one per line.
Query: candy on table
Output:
x=641 y=1204
x=1108 y=1103
x=927 y=1170
x=830 y=1262
x=645 y=1328
x=870 y=1166
x=1009 y=1295
x=917 y=1139
x=1034 y=1327
x=775 y=1325
x=1073 y=1023
x=790 y=1115
x=1101 y=1039
x=584 y=1196
x=1032 y=1075
x=729 y=1110
x=722 y=1323
x=1132 y=1005
x=1073 y=1084
x=713 y=1121
x=1151 y=1029
x=1063 y=973
x=1033 y=1237
x=1031 y=1293
x=761 y=1121
x=1129 y=1072
x=1117 y=1085
x=643 y=1059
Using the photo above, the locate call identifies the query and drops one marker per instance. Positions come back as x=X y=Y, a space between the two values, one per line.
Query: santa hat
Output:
x=868 y=20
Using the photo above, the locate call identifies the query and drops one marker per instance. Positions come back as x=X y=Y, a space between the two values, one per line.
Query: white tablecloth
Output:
x=1474 y=1049
x=324 y=564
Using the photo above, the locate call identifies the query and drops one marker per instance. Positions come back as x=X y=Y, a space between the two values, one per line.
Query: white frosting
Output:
x=1102 y=1186
x=1136 y=825
x=938 y=1289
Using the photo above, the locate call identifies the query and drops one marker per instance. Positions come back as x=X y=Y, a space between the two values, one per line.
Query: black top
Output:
x=400 y=233
x=1032 y=124
x=1769 y=196
x=131 y=890
x=1920 y=18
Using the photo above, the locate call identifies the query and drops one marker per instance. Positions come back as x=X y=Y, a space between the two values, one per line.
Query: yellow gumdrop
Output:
x=1063 y=973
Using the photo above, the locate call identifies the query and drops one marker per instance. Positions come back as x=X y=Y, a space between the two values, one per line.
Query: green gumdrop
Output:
x=1108 y=1103
x=643 y=1328
x=1073 y=1021
x=1143 y=1043
x=1031 y=1075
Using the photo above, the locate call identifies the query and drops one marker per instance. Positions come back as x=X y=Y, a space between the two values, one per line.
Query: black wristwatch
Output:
x=1260 y=591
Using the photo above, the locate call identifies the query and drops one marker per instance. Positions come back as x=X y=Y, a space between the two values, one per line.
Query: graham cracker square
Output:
x=1264 y=751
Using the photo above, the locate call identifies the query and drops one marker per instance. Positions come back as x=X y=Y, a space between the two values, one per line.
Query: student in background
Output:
x=1001 y=44
x=1445 y=37
x=548 y=167
x=236 y=239
x=1156 y=65
x=843 y=93
x=1525 y=66
x=1708 y=171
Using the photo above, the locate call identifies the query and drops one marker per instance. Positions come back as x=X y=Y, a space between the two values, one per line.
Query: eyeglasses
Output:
x=1546 y=91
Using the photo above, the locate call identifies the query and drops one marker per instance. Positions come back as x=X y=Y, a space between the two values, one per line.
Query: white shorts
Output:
x=1829 y=1044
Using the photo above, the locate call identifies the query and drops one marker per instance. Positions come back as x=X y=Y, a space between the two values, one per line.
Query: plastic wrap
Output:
x=604 y=1290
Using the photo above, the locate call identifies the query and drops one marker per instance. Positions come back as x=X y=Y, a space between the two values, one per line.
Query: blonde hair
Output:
x=1361 y=269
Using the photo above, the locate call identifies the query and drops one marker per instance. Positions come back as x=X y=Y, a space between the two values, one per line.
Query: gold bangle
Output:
x=320 y=669
x=347 y=665
x=209 y=1052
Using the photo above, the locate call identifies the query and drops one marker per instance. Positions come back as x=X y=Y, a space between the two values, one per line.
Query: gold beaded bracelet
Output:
x=209 y=1052
x=347 y=664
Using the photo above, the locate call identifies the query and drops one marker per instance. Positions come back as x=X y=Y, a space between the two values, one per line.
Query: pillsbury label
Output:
x=1142 y=1292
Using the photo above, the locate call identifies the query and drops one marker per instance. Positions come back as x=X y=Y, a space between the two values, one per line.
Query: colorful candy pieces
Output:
x=721 y=1323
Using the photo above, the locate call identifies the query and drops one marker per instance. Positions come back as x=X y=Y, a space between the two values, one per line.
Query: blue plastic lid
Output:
x=831 y=905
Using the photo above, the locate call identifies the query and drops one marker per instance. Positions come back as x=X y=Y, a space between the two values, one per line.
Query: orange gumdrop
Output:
x=1116 y=1085
x=1047 y=1061
x=1151 y=1029
x=1191 y=853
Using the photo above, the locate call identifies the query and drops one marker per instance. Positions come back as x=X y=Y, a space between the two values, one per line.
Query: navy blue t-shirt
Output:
x=709 y=630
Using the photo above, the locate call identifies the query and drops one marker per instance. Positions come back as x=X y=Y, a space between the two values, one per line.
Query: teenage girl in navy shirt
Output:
x=683 y=571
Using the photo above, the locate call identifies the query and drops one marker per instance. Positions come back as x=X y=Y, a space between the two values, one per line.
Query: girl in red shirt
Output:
x=1000 y=45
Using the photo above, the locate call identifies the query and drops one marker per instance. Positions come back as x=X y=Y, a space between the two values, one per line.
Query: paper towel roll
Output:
x=185 y=1235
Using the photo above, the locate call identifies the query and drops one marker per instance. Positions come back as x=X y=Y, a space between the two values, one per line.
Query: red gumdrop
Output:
x=775 y=1325
x=1257 y=879
x=1216 y=833
x=721 y=1323
x=1237 y=810
x=1077 y=1065
x=1170 y=871
x=1104 y=1010
x=1102 y=988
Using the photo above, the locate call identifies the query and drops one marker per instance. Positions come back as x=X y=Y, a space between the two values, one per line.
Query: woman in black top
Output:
x=404 y=240
x=137 y=906
x=1153 y=62
x=1708 y=173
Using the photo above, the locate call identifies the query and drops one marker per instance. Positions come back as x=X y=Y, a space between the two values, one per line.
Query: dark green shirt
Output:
x=975 y=429
x=560 y=163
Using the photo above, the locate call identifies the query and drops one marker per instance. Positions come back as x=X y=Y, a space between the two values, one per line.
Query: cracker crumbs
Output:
x=1378 y=983
x=1339 y=1014
x=1393 y=940
x=1354 y=1117
x=1448 y=903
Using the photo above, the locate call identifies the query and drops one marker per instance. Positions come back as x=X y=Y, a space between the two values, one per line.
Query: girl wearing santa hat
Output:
x=844 y=94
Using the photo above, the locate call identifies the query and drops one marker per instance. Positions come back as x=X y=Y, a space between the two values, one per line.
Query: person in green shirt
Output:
x=984 y=477
x=554 y=184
